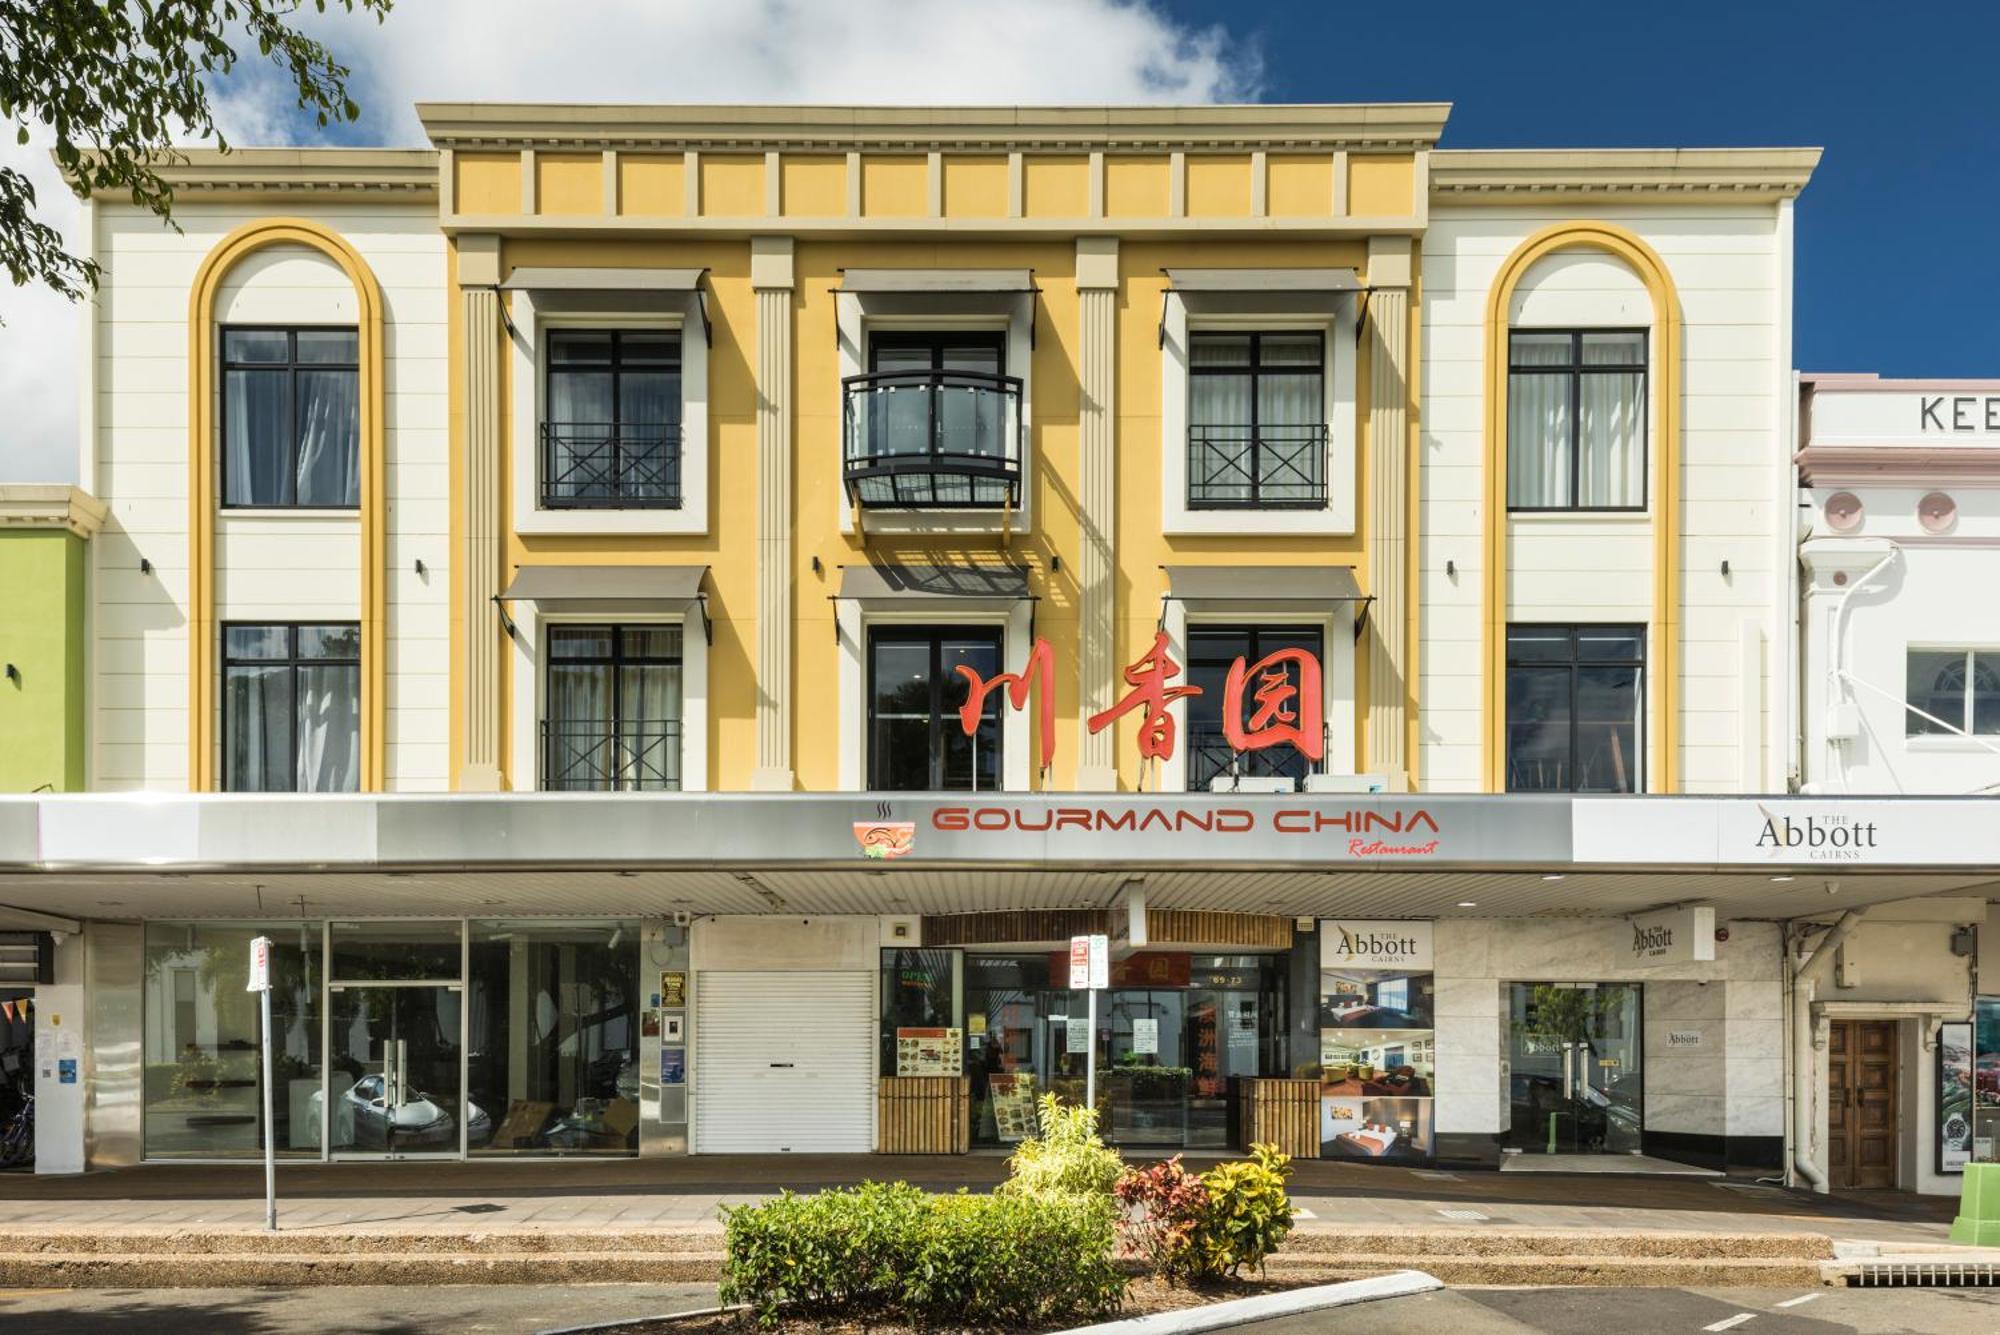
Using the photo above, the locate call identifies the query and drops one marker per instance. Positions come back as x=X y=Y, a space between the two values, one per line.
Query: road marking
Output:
x=1471 y=1215
x=1300 y=1212
x=1802 y=1298
x=1730 y=1323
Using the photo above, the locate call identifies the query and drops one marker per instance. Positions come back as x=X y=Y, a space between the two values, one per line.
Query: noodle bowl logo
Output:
x=886 y=838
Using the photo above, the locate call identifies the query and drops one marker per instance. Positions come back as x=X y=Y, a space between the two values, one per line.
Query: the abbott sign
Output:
x=1679 y=936
x=1374 y=943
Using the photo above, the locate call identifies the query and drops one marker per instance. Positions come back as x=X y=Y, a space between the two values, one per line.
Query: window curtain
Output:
x=1291 y=406
x=1538 y=423
x=255 y=437
x=579 y=721
x=1219 y=454
x=258 y=712
x=649 y=750
x=329 y=722
x=1611 y=429
x=648 y=414
x=329 y=426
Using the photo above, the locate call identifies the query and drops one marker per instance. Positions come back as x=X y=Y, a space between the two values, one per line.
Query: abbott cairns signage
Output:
x=1375 y=943
x=1678 y=936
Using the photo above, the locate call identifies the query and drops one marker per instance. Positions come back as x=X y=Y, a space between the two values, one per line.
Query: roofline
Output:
x=1614 y=174
x=1868 y=382
x=374 y=173
x=1371 y=125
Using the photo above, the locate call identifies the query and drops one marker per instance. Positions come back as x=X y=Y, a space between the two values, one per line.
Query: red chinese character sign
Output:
x=1285 y=706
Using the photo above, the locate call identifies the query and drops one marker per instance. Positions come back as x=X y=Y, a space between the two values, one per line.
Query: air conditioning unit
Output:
x=1250 y=783
x=1347 y=783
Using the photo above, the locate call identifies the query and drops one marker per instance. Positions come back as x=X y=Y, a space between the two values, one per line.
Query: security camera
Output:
x=682 y=917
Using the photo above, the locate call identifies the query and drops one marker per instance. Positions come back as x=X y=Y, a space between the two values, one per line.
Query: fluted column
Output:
x=1388 y=313
x=1096 y=495
x=478 y=768
x=771 y=277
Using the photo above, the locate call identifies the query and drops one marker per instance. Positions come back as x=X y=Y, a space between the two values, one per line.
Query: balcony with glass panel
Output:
x=932 y=439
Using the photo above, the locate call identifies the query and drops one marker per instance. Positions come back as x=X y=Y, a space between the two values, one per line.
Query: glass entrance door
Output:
x=1575 y=1077
x=395 y=1042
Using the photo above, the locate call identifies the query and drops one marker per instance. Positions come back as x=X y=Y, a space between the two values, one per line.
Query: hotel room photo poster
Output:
x=1377 y=1057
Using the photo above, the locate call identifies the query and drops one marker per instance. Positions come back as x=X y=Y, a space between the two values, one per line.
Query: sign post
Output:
x=260 y=981
x=1090 y=973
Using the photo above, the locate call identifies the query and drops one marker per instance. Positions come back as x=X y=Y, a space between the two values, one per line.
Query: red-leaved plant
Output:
x=1164 y=1207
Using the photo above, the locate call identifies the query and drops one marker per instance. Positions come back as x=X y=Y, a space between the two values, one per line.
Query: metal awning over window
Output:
x=612 y=590
x=1297 y=289
x=937 y=280
x=1263 y=280
x=916 y=585
x=1289 y=586
x=613 y=290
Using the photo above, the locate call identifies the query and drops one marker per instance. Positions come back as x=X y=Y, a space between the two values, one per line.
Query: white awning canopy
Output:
x=937 y=280
x=611 y=590
x=540 y=279
x=1263 y=584
x=1263 y=280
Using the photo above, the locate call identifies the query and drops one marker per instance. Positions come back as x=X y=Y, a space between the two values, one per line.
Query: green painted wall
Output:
x=41 y=635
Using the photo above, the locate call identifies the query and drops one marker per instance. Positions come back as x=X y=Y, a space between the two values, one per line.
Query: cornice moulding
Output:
x=396 y=173
x=50 y=505
x=1473 y=175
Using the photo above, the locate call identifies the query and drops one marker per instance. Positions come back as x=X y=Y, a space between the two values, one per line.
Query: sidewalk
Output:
x=684 y=1195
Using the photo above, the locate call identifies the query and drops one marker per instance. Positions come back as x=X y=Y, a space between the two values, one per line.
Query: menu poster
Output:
x=1145 y=1036
x=673 y=1066
x=673 y=989
x=1954 y=1097
x=929 y=1051
x=1077 y=1034
x=1013 y=1105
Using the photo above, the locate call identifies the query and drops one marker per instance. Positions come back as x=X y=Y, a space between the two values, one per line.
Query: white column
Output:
x=1097 y=482
x=1388 y=313
x=771 y=277
x=478 y=769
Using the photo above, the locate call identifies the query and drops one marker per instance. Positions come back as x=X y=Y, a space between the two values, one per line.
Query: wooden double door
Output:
x=1861 y=1103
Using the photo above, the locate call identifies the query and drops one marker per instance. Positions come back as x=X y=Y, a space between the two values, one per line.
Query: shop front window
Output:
x=923 y=1032
x=203 y=1056
x=1174 y=1031
x=553 y=1036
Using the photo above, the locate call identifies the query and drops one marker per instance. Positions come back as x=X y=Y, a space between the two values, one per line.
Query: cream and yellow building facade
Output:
x=541 y=574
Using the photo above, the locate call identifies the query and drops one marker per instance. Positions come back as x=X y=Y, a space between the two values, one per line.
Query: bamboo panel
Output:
x=974 y=929
x=1195 y=927
x=924 y=1114
x=1284 y=1113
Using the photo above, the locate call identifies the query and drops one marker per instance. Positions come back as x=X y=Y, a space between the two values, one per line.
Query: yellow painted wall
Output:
x=1301 y=185
x=1381 y=185
x=732 y=185
x=652 y=185
x=813 y=185
x=1056 y=186
x=1218 y=185
x=975 y=185
x=895 y=186
x=487 y=182
x=1137 y=185
x=569 y=184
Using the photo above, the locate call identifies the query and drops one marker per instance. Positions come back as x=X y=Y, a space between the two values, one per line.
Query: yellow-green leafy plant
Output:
x=1067 y=1159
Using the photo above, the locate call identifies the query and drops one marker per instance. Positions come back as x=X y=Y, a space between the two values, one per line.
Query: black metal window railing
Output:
x=1210 y=757
x=600 y=756
x=933 y=439
x=611 y=465
x=1263 y=467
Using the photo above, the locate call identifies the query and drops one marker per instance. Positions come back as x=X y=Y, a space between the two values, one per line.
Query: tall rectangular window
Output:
x=612 y=708
x=291 y=708
x=916 y=741
x=1960 y=687
x=1256 y=421
x=1210 y=651
x=611 y=438
x=1576 y=419
x=1575 y=708
x=291 y=418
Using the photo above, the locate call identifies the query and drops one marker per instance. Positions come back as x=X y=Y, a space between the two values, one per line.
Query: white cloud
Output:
x=1079 y=52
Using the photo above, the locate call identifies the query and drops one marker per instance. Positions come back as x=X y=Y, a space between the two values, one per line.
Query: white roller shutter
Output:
x=784 y=1062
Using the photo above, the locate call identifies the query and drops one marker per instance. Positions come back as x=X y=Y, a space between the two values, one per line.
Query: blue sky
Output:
x=1898 y=264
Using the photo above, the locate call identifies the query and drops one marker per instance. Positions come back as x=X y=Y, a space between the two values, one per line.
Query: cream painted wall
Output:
x=1727 y=264
x=298 y=565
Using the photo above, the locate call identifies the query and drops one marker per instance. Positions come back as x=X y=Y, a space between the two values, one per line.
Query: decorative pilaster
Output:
x=479 y=559
x=1388 y=511
x=1097 y=481
x=772 y=278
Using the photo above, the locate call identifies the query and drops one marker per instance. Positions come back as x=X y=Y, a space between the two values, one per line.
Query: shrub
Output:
x=937 y=1260
x=1190 y=1228
x=1066 y=1159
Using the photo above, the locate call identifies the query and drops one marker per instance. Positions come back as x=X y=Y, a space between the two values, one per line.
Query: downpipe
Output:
x=1805 y=1070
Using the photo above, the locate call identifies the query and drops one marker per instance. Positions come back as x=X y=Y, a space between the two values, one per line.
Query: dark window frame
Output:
x=1254 y=369
x=1574 y=663
x=294 y=665
x=1253 y=764
x=941 y=715
x=291 y=366
x=935 y=342
x=547 y=496
x=617 y=660
x=1575 y=370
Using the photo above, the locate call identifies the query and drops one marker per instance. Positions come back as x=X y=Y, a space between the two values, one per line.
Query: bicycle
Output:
x=17 y=1138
